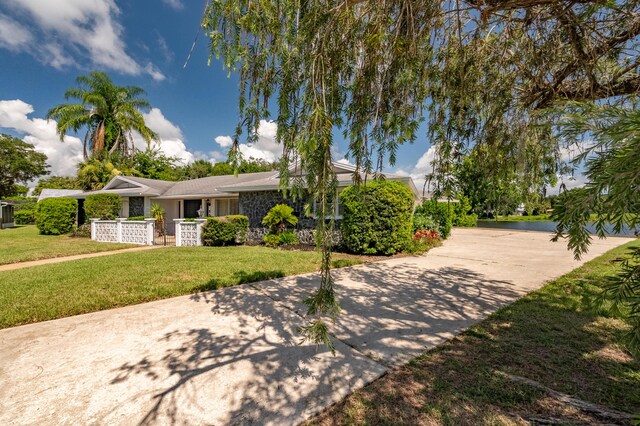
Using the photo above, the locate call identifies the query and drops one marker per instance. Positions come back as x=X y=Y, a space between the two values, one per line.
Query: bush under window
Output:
x=55 y=216
x=225 y=230
x=102 y=206
x=376 y=217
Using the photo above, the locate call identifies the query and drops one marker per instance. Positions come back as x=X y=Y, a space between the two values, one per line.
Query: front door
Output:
x=191 y=208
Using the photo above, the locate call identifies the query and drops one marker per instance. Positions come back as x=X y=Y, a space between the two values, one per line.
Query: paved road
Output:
x=232 y=356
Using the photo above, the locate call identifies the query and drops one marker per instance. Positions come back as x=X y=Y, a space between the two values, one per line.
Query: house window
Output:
x=334 y=206
x=136 y=206
x=226 y=206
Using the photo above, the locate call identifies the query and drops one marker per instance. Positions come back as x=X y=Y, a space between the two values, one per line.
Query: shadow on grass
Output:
x=548 y=336
x=240 y=277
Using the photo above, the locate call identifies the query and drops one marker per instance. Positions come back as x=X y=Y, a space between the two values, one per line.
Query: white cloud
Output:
x=569 y=182
x=164 y=49
x=63 y=157
x=423 y=167
x=154 y=72
x=13 y=36
x=569 y=152
x=345 y=162
x=86 y=29
x=171 y=137
x=265 y=148
x=175 y=4
x=224 y=141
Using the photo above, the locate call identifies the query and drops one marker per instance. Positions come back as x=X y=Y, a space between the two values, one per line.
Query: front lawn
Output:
x=24 y=243
x=57 y=290
x=550 y=336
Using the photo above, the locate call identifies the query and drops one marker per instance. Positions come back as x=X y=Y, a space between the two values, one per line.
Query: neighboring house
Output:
x=250 y=194
x=6 y=215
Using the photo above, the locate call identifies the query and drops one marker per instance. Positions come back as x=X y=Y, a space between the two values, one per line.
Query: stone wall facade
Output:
x=255 y=205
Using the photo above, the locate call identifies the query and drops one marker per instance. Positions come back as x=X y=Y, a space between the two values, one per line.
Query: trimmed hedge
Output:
x=440 y=213
x=376 y=217
x=24 y=217
x=55 y=216
x=225 y=230
x=102 y=206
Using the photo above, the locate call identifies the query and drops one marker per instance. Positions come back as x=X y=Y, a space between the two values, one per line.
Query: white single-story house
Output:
x=250 y=194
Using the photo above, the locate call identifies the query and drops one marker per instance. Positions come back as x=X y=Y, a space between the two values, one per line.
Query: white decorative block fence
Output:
x=189 y=234
x=124 y=231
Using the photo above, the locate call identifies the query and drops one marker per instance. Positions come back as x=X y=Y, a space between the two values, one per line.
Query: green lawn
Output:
x=23 y=243
x=551 y=336
x=57 y=290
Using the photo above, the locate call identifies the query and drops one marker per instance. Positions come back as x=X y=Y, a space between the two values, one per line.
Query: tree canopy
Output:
x=55 y=182
x=480 y=73
x=109 y=113
x=19 y=163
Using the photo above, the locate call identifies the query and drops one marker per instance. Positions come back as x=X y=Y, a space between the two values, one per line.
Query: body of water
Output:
x=545 y=227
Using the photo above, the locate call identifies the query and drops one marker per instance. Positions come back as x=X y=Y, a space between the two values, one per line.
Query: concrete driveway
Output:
x=233 y=356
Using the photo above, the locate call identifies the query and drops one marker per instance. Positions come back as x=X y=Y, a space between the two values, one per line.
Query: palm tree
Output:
x=95 y=173
x=109 y=112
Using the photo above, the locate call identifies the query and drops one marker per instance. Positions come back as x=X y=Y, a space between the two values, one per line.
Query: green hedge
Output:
x=225 y=230
x=132 y=218
x=25 y=206
x=24 y=217
x=102 y=206
x=376 y=217
x=441 y=214
x=55 y=216
x=461 y=216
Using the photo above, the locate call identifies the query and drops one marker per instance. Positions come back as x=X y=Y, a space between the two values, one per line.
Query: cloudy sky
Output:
x=45 y=45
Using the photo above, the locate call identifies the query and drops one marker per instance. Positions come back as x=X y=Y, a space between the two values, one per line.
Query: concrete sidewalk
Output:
x=232 y=356
x=21 y=265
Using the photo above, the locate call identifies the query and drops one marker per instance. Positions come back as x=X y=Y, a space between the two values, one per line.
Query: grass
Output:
x=52 y=291
x=552 y=336
x=24 y=243
x=536 y=218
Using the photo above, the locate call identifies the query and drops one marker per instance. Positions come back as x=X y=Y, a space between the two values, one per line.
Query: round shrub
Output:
x=102 y=206
x=440 y=213
x=55 y=216
x=376 y=217
x=225 y=230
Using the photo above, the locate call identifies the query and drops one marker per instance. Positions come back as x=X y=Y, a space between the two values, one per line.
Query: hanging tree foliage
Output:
x=482 y=73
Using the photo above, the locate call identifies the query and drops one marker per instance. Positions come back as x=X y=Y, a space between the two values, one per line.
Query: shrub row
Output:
x=225 y=230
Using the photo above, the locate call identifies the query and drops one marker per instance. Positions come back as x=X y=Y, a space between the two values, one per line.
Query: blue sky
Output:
x=45 y=45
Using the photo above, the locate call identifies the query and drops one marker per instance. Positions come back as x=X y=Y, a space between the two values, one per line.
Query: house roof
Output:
x=54 y=193
x=217 y=186
x=211 y=186
x=272 y=182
